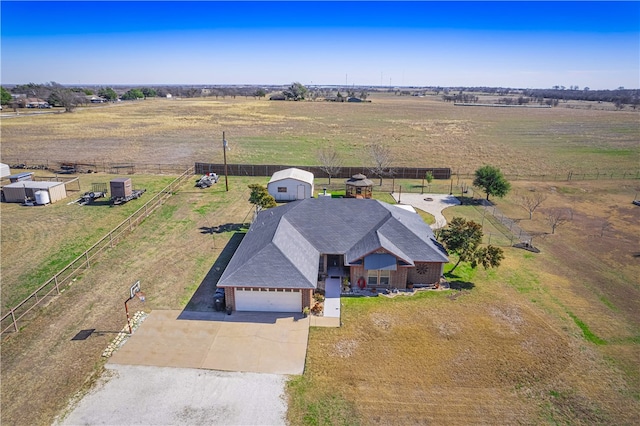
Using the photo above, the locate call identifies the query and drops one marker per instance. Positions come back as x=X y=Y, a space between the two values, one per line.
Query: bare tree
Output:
x=65 y=97
x=530 y=202
x=556 y=217
x=382 y=158
x=330 y=162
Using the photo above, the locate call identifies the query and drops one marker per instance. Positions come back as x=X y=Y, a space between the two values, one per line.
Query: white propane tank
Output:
x=42 y=197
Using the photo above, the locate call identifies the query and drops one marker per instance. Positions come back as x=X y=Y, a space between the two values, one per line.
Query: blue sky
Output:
x=509 y=44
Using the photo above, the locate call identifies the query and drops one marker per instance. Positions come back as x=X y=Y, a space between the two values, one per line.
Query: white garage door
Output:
x=268 y=301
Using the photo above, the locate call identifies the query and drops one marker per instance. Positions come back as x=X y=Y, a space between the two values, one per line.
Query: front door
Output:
x=301 y=192
x=334 y=261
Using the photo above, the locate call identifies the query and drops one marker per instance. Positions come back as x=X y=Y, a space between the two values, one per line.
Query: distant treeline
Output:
x=621 y=97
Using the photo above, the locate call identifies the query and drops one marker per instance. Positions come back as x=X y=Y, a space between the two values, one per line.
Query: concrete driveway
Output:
x=259 y=342
x=430 y=203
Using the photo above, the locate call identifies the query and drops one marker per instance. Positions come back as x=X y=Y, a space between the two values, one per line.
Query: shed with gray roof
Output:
x=290 y=250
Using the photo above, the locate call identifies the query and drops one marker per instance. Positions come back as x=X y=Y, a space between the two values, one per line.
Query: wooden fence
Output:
x=345 y=172
x=52 y=287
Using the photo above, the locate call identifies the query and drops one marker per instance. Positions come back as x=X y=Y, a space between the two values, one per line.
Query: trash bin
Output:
x=218 y=304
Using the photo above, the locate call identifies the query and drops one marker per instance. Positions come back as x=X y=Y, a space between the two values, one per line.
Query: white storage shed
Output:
x=291 y=184
x=4 y=170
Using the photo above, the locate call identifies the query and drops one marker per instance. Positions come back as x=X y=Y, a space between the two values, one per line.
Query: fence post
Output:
x=55 y=279
x=86 y=255
x=130 y=227
x=13 y=318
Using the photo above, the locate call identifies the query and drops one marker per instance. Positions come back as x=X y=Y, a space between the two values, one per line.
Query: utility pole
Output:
x=224 y=153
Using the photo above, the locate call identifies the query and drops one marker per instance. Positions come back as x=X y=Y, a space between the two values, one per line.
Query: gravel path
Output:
x=430 y=203
x=142 y=395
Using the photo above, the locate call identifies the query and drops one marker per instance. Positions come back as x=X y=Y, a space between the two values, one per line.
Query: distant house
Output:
x=291 y=250
x=35 y=103
x=291 y=184
x=96 y=99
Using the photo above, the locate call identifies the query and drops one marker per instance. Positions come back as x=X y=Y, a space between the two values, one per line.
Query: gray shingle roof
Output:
x=283 y=245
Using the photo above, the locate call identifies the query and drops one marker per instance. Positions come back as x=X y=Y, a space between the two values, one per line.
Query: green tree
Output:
x=463 y=238
x=260 y=93
x=428 y=176
x=260 y=197
x=492 y=181
x=5 y=96
x=149 y=92
x=108 y=93
x=133 y=94
x=296 y=91
x=488 y=257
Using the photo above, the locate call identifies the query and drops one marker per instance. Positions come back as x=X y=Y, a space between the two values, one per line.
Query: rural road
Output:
x=435 y=205
x=143 y=395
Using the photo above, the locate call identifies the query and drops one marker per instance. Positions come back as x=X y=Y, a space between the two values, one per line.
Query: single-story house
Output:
x=17 y=191
x=291 y=250
x=291 y=184
x=96 y=99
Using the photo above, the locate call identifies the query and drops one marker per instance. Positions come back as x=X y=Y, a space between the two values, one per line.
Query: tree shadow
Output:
x=202 y=299
x=227 y=227
x=470 y=201
x=461 y=285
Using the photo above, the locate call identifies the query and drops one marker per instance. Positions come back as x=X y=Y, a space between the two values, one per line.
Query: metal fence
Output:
x=54 y=286
x=94 y=166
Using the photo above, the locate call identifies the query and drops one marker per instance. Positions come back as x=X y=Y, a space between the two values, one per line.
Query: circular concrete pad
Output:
x=430 y=203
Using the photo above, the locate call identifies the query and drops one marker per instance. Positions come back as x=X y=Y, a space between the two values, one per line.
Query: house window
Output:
x=282 y=189
x=378 y=277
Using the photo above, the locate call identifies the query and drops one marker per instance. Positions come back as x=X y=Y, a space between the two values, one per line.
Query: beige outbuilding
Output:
x=18 y=191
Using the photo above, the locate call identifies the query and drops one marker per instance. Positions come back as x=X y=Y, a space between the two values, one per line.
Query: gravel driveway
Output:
x=142 y=395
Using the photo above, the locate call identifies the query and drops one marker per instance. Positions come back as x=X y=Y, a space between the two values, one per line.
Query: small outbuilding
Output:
x=291 y=184
x=4 y=170
x=20 y=177
x=358 y=186
x=17 y=192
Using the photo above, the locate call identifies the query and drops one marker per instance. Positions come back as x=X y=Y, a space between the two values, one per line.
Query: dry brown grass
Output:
x=41 y=367
x=420 y=132
x=510 y=349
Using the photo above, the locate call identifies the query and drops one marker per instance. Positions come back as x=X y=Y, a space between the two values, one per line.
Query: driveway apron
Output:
x=250 y=342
